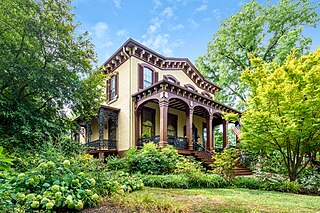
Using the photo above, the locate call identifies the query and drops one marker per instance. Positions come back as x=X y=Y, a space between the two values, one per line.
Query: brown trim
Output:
x=206 y=94
x=140 y=76
x=153 y=114
x=179 y=92
x=156 y=77
x=190 y=86
x=168 y=77
x=134 y=48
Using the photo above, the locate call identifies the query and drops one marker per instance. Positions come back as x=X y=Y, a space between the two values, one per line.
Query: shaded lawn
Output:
x=209 y=200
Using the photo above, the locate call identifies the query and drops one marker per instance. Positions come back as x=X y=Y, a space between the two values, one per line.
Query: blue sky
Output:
x=176 y=28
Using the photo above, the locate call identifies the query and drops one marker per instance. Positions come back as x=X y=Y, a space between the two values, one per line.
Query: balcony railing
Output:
x=102 y=144
x=177 y=142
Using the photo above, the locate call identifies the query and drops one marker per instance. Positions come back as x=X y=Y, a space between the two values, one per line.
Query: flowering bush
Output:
x=57 y=183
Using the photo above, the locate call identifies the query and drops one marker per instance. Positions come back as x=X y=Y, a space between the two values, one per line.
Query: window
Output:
x=147 y=77
x=171 y=79
x=172 y=124
x=190 y=87
x=113 y=87
x=148 y=122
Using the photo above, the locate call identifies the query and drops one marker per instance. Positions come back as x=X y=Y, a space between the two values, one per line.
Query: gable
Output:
x=173 y=66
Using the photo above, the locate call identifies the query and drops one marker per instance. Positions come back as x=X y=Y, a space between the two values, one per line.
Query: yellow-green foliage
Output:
x=225 y=163
x=283 y=109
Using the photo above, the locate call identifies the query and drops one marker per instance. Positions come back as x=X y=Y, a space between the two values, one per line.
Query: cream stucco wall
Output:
x=128 y=85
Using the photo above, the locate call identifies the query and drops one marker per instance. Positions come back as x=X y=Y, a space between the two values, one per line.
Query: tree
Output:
x=45 y=69
x=269 y=32
x=283 y=110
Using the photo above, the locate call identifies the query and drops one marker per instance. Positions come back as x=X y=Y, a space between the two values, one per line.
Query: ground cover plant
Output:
x=53 y=181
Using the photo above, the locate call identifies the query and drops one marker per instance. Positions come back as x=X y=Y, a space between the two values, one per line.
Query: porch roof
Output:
x=169 y=90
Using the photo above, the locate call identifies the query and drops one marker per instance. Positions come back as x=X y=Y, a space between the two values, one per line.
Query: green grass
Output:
x=215 y=200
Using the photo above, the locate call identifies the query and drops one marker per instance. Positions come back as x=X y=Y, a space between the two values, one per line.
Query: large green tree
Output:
x=46 y=70
x=283 y=110
x=268 y=31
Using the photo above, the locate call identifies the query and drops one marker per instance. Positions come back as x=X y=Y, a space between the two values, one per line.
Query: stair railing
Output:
x=198 y=147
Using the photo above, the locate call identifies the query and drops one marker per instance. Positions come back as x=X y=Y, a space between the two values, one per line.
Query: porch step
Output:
x=206 y=160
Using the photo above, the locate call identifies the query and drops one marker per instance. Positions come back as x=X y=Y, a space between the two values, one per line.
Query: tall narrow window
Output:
x=148 y=122
x=147 y=77
x=172 y=124
x=112 y=88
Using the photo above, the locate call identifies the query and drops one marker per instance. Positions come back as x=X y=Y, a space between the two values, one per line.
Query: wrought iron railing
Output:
x=178 y=142
x=102 y=144
x=198 y=147
x=154 y=139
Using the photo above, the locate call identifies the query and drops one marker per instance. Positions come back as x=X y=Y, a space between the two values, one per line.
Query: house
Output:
x=155 y=98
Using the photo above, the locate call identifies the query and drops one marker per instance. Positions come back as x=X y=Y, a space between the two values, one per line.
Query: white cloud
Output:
x=193 y=24
x=107 y=44
x=100 y=29
x=202 y=8
x=159 y=42
x=217 y=13
x=117 y=3
x=168 y=12
x=122 y=32
x=155 y=25
x=157 y=4
x=177 y=27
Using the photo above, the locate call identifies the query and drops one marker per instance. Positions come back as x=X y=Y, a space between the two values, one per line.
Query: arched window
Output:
x=190 y=87
x=146 y=76
x=206 y=94
x=171 y=79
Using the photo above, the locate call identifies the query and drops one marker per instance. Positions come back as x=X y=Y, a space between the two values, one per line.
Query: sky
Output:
x=173 y=28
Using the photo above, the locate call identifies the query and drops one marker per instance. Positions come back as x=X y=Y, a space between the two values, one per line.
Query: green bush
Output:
x=200 y=180
x=148 y=160
x=247 y=182
x=53 y=181
x=311 y=181
x=225 y=162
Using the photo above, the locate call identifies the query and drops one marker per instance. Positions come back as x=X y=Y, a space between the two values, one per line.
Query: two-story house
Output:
x=155 y=98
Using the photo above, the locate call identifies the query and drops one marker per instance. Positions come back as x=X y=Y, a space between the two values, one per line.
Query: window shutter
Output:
x=140 y=76
x=108 y=89
x=156 y=77
x=117 y=84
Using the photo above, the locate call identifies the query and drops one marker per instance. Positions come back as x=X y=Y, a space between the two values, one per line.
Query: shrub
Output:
x=148 y=160
x=247 y=182
x=61 y=183
x=311 y=181
x=200 y=180
x=225 y=162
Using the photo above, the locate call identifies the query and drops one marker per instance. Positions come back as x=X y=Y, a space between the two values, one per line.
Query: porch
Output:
x=169 y=114
x=99 y=133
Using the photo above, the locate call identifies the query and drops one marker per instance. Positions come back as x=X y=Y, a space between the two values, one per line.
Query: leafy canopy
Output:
x=46 y=68
x=283 y=109
x=269 y=32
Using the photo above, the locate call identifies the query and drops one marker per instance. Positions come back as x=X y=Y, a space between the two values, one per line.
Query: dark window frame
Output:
x=141 y=75
x=153 y=119
x=112 y=88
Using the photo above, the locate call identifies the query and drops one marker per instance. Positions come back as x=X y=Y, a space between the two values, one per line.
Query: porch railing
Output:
x=198 y=147
x=177 y=142
x=102 y=144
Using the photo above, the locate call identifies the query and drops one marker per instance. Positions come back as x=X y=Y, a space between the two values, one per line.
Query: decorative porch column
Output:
x=101 y=122
x=189 y=122
x=137 y=126
x=88 y=131
x=163 y=105
x=225 y=133
x=209 y=133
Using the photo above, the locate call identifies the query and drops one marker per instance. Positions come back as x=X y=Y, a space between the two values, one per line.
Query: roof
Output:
x=136 y=49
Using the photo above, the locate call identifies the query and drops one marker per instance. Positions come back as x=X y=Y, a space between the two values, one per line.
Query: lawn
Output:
x=209 y=200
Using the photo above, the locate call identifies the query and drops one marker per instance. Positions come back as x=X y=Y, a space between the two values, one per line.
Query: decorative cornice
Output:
x=135 y=49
